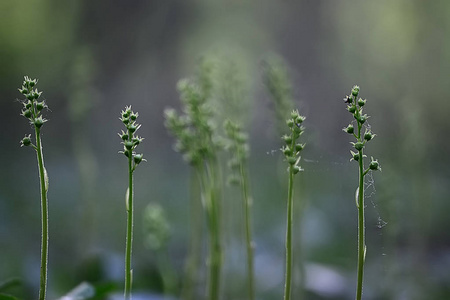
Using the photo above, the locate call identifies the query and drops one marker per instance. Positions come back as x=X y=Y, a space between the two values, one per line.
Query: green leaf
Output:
x=7 y=297
x=12 y=282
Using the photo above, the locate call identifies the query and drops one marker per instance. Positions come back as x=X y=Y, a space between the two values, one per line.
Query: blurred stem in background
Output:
x=157 y=234
x=198 y=141
x=193 y=261
x=82 y=99
x=239 y=150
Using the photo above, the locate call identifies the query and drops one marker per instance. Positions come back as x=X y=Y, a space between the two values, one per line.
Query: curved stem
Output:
x=44 y=216
x=248 y=233
x=129 y=241
x=287 y=288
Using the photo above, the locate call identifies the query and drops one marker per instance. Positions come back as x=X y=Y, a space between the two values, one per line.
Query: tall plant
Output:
x=197 y=141
x=355 y=107
x=32 y=110
x=130 y=141
x=291 y=151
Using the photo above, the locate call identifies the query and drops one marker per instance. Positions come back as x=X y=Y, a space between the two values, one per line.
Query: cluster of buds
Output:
x=129 y=140
x=32 y=108
x=292 y=148
x=355 y=107
x=194 y=129
x=238 y=147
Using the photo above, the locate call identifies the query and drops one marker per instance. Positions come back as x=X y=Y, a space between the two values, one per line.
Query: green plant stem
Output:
x=128 y=271
x=361 y=223
x=213 y=217
x=44 y=216
x=287 y=289
x=248 y=232
x=195 y=237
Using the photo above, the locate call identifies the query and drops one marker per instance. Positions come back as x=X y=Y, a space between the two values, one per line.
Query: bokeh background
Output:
x=94 y=57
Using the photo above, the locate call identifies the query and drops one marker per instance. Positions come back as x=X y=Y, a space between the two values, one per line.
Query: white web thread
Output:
x=370 y=190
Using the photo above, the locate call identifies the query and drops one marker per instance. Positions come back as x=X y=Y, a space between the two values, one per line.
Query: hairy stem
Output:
x=287 y=288
x=129 y=241
x=248 y=233
x=44 y=216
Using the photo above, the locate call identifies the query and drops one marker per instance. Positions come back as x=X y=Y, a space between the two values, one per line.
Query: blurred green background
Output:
x=94 y=57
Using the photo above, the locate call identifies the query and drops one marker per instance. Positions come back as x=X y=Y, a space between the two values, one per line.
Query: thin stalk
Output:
x=361 y=223
x=248 y=233
x=290 y=204
x=195 y=237
x=211 y=198
x=44 y=216
x=129 y=241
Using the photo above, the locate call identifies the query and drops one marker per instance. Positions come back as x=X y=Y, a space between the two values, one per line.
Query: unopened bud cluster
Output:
x=355 y=107
x=292 y=148
x=32 y=108
x=194 y=129
x=238 y=147
x=129 y=140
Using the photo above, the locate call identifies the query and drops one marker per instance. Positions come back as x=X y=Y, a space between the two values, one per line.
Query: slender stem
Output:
x=248 y=233
x=44 y=216
x=215 y=257
x=128 y=270
x=287 y=289
x=361 y=222
x=212 y=209
x=195 y=236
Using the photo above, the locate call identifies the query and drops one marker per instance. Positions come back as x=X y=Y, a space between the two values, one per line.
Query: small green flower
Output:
x=26 y=141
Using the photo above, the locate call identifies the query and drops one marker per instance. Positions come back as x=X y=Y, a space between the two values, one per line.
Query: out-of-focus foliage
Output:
x=95 y=57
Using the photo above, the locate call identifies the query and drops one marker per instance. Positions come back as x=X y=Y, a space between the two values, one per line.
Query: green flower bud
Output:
x=362 y=119
x=292 y=160
x=299 y=147
x=361 y=102
x=290 y=123
x=38 y=122
x=287 y=151
x=294 y=114
x=23 y=90
x=287 y=139
x=28 y=104
x=30 y=96
x=126 y=153
x=349 y=129
x=128 y=145
x=359 y=146
x=296 y=169
x=300 y=119
x=134 y=116
x=355 y=91
x=374 y=165
x=132 y=127
x=26 y=113
x=40 y=105
x=125 y=120
x=26 y=141
x=368 y=135
x=36 y=94
x=138 y=158
x=351 y=108
x=348 y=99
